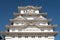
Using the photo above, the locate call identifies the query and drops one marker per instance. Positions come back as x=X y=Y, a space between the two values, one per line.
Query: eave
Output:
x=17 y=20
x=29 y=33
x=29 y=14
x=29 y=7
x=25 y=26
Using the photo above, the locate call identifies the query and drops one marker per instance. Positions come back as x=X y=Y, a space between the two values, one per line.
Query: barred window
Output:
x=26 y=36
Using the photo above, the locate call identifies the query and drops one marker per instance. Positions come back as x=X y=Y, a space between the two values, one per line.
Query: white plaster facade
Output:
x=30 y=28
x=30 y=38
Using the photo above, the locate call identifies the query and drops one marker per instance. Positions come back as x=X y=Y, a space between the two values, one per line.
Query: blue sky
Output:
x=52 y=7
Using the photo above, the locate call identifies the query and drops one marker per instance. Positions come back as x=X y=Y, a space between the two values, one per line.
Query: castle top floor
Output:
x=29 y=9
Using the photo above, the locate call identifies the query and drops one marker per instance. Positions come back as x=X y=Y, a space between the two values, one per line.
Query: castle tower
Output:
x=30 y=24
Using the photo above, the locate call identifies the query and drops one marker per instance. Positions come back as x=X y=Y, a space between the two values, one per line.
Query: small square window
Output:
x=33 y=36
x=39 y=36
x=42 y=29
x=46 y=36
x=19 y=36
x=26 y=36
x=13 y=36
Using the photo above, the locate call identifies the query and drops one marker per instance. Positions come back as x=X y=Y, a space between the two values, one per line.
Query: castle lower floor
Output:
x=29 y=38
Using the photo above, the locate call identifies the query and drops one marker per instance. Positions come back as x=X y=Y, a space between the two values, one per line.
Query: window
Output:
x=33 y=36
x=26 y=36
x=19 y=36
x=8 y=30
x=24 y=11
x=17 y=23
x=46 y=36
x=39 y=36
x=13 y=36
x=42 y=29
x=12 y=23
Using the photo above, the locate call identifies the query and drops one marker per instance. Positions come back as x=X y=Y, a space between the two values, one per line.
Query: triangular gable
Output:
x=41 y=17
x=20 y=17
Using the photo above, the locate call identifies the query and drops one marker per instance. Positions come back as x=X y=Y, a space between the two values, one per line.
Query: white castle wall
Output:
x=30 y=38
x=30 y=29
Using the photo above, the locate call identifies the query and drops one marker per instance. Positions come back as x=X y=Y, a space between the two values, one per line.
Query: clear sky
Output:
x=52 y=7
